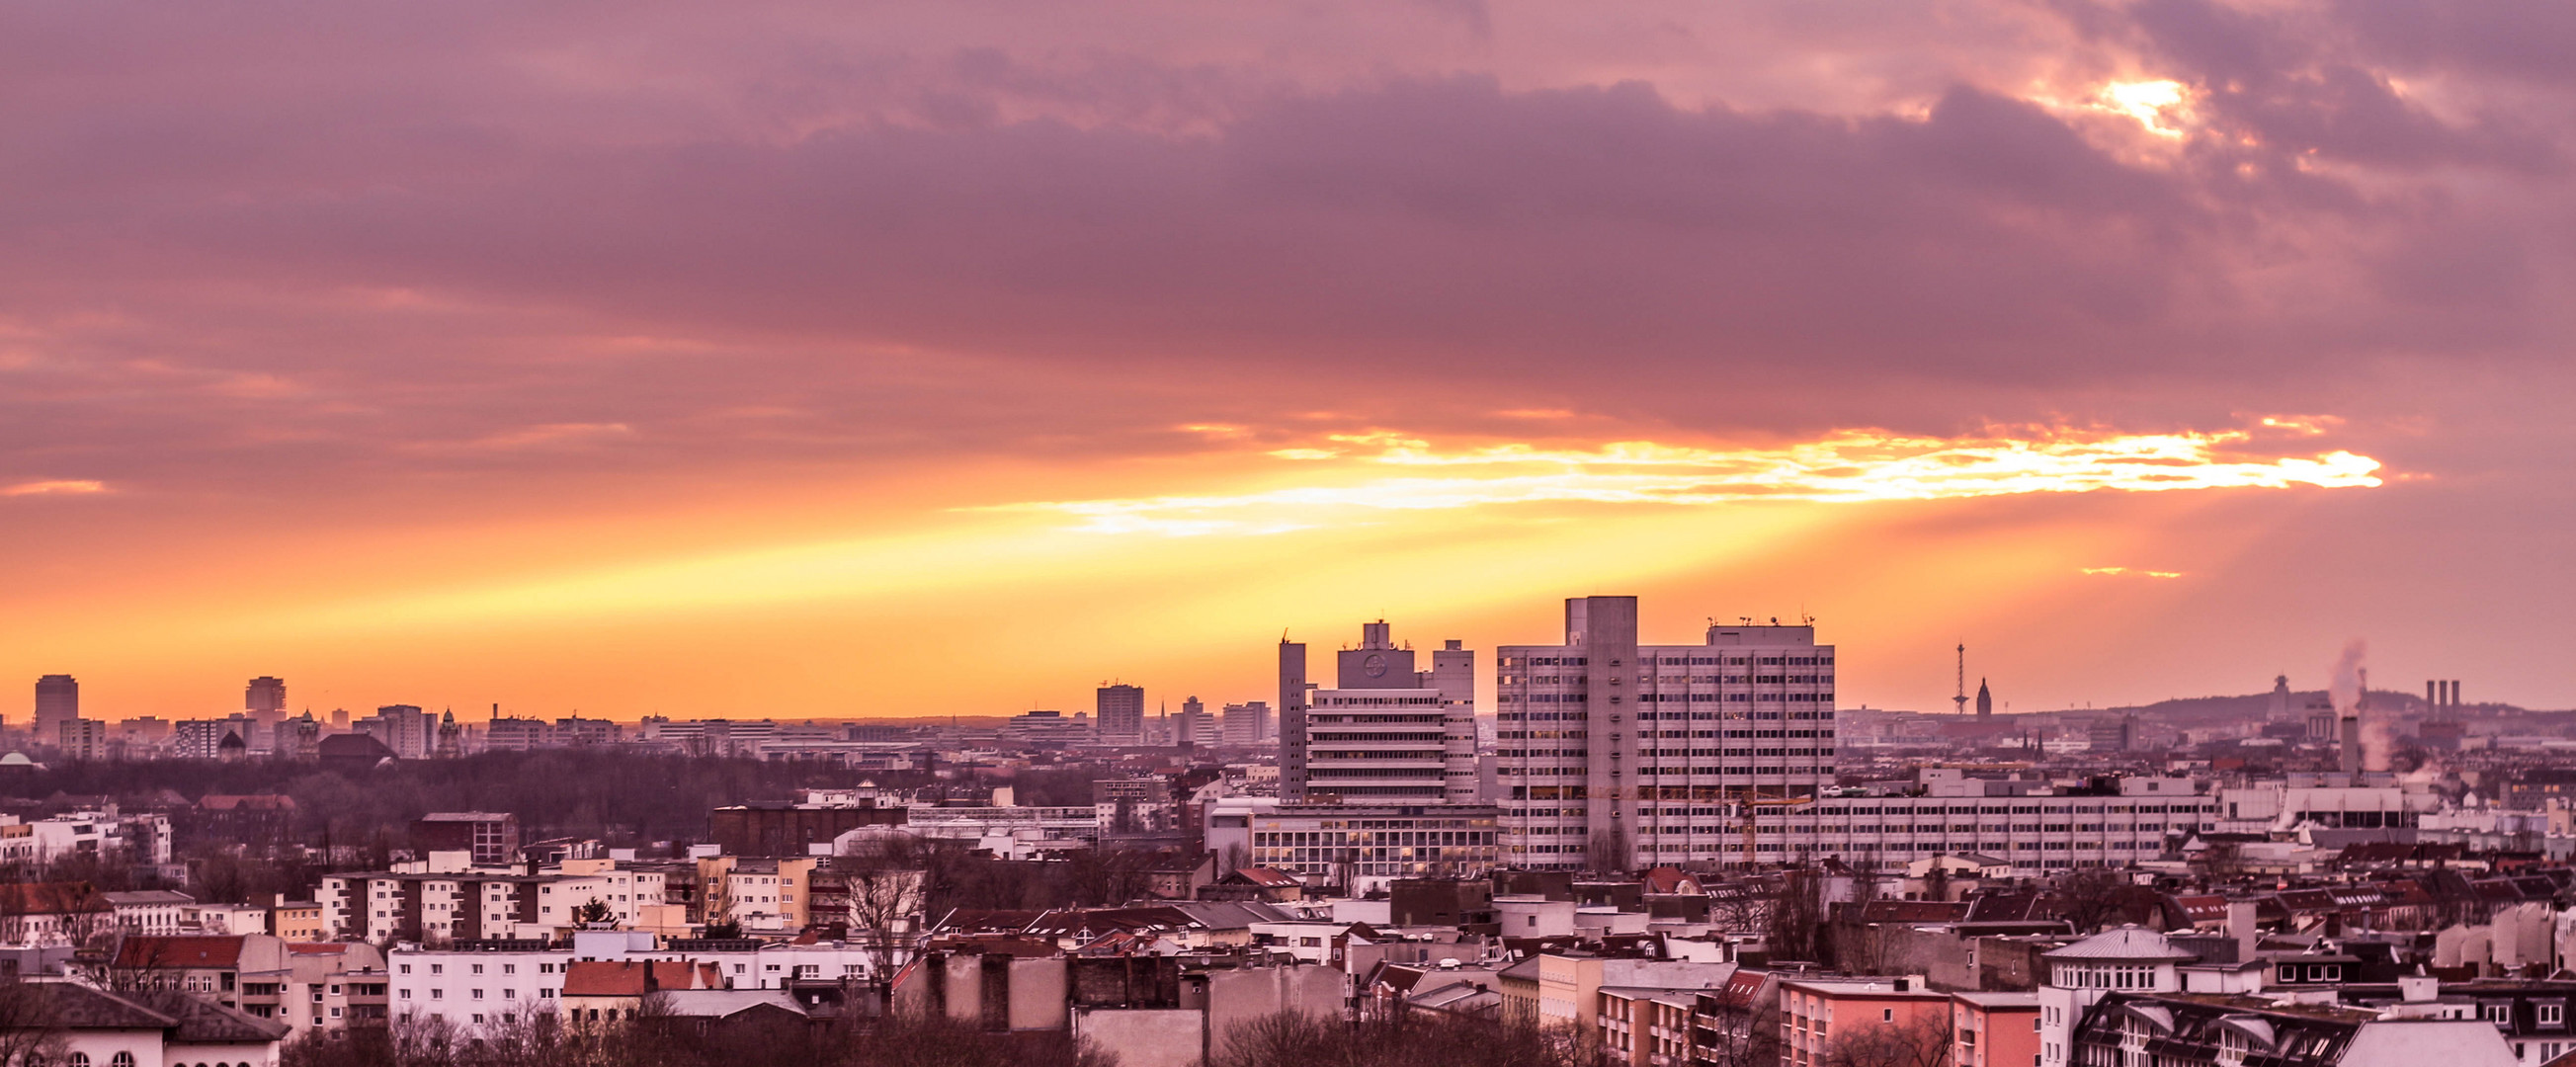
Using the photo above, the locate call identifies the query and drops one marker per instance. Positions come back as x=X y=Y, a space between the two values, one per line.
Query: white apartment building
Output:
x=1386 y=733
x=498 y=985
x=141 y=838
x=1361 y=846
x=475 y=988
x=150 y=911
x=1647 y=749
x=1022 y=832
x=470 y=905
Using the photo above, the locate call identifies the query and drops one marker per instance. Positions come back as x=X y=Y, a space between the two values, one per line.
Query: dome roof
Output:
x=2132 y=943
x=16 y=759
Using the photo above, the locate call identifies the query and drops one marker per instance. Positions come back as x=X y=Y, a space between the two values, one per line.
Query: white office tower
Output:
x=1386 y=733
x=1614 y=754
x=1248 y=723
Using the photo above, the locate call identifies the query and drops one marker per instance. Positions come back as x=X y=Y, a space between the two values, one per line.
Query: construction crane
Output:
x=1752 y=806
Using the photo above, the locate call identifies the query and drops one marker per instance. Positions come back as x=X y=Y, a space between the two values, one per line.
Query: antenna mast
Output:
x=1961 y=701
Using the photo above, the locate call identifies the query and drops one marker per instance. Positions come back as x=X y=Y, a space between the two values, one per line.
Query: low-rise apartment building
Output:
x=1817 y=1014
x=1994 y=1029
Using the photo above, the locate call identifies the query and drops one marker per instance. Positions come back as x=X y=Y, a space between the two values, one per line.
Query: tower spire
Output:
x=1960 y=702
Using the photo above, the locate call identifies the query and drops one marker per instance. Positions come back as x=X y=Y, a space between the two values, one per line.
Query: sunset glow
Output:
x=1848 y=467
x=792 y=360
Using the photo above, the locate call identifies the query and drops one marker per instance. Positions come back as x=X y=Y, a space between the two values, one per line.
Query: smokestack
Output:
x=2351 y=744
x=2432 y=694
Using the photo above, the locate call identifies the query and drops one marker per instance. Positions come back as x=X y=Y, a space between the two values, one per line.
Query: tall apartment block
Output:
x=1628 y=754
x=1120 y=713
x=57 y=702
x=265 y=699
x=1386 y=733
x=1247 y=723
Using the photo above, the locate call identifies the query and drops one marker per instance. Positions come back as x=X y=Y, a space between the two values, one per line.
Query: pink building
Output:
x=1817 y=1014
x=1994 y=1029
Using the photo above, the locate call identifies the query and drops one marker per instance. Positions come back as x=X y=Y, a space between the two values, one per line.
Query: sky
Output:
x=873 y=359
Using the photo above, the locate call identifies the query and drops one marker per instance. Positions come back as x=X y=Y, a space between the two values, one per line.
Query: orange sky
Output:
x=809 y=360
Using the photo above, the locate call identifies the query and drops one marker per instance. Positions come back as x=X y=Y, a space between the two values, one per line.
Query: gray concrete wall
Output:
x=1038 y=993
x=964 y=975
x=1143 y=1037
x=1238 y=997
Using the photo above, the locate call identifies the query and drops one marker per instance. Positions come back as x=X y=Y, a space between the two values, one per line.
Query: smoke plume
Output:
x=2348 y=692
x=2345 y=690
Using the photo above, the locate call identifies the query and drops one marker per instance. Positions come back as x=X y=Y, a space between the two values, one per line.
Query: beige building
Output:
x=764 y=895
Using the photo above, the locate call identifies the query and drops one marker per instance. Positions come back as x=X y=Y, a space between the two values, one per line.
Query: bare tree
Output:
x=31 y=1032
x=1405 y=1039
x=1797 y=911
x=1607 y=852
x=888 y=880
x=1920 y=1041
x=1750 y=1036
x=2089 y=898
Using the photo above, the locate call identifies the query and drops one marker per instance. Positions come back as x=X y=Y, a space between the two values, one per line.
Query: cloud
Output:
x=1848 y=467
x=55 y=487
x=2119 y=571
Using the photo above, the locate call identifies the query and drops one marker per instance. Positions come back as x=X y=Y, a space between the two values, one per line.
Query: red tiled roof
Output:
x=1264 y=876
x=604 y=978
x=198 y=951
x=50 y=898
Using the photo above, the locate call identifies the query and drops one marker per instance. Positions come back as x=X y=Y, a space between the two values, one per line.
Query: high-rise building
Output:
x=404 y=728
x=1387 y=733
x=1617 y=754
x=1985 y=700
x=83 y=739
x=266 y=699
x=1120 y=715
x=1247 y=724
x=1292 y=717
x=57 y=702
x=1195 y=728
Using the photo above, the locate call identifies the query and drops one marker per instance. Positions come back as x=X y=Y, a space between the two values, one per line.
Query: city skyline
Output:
x=2151 y=350
x=66 y=690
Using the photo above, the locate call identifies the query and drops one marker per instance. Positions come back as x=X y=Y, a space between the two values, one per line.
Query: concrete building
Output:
x=766 y=895
x=83 y=739
x=489 y=838
x=265 y=699
x=205 y=738
x=1816 y=1014
x=495 y=983
x=1119 y=712
x=1628 y=755
x=149 y=911
x=467 y=905
x=1994 y=1029
x=1196 y=728
x=410 y=732
x=1387 y=733
x=1367 y=845
x=57 y=701
x=1048 y=729
x=2126 y=960
x=1247 y=723
x=1292 y=717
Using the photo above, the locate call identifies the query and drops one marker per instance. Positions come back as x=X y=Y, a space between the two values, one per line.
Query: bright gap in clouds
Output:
x=1846 y=467
x=55 y=487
